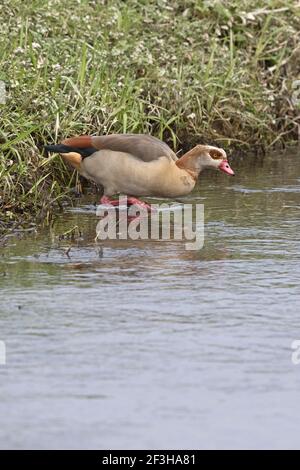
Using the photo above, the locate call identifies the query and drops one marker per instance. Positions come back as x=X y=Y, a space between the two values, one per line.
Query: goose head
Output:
x=205 y=156
x=214 y=158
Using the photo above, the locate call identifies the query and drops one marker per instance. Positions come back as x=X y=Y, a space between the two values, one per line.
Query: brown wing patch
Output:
x=80 y=142
x=216 y=154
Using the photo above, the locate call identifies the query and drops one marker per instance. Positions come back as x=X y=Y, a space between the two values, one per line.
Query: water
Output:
x=150 y=345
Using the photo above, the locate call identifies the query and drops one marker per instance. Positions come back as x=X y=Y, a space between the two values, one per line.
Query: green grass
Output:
x=186 y=71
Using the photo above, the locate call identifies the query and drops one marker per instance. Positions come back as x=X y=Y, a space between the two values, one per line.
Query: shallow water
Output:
x=149 y=345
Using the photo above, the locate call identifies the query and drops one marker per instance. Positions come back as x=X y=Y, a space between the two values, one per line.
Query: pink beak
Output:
x=224 y=166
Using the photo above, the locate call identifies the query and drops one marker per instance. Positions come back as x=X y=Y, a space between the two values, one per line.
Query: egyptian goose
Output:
x=139 y=165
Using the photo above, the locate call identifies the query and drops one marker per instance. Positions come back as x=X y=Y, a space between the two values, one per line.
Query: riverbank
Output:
x=185 y=71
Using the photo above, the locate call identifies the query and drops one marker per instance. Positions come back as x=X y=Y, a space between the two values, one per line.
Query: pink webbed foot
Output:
x=106 y=200
x=133 y=201
x=129 y=201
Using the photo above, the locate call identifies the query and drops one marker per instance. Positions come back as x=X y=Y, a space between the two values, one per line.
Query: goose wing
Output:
x=142 y=146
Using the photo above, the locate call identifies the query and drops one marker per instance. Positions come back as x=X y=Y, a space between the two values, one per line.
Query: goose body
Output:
x=139 y=165
x=121 y=172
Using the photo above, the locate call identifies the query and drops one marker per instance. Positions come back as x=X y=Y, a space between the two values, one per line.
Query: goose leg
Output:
x=106 y=200
x=131 y=201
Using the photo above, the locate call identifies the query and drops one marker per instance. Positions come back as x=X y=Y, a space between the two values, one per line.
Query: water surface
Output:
x=147 y=345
